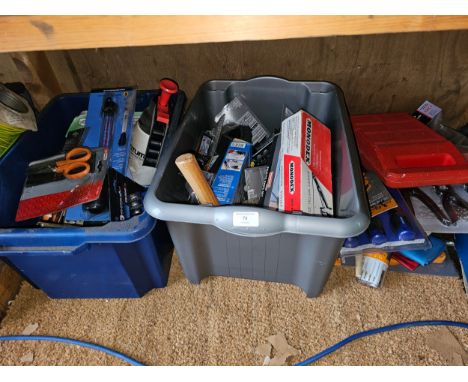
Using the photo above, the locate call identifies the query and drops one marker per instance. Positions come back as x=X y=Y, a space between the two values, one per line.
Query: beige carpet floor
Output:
x=222 y=320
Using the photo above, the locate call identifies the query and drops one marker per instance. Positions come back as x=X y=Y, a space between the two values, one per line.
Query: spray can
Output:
x=143 y=175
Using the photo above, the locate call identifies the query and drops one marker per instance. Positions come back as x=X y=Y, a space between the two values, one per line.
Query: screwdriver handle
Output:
x=351 y=242
x=376 y=232
x=401 y=227
x=356 y=241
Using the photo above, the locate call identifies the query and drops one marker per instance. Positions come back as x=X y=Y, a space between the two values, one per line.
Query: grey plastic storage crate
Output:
x=286 y=248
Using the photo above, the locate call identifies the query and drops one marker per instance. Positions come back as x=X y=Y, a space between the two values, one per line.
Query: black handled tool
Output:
x=109 y=108
x=123 y=135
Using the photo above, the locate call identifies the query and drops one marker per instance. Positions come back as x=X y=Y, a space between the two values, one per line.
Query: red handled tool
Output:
x=168 y=88
x=160 y=122
x=450 y=200
x=429 y=203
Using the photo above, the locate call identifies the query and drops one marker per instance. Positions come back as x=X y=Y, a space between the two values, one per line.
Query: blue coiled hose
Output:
x=382 y=329
x=308 y=361
x=64 y=340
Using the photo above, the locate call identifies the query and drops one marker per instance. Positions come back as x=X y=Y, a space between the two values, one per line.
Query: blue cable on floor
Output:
x=308 y=361
x=382 y=329
x=64 y=340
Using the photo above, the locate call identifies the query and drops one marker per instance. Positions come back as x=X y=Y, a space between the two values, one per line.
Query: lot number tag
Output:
x=245 y=219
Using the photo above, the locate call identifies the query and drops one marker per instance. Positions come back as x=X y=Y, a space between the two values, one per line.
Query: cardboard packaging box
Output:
x=306 y=168
x=228 y=183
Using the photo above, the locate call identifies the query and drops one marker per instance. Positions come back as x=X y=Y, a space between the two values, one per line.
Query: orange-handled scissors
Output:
x=75 y=165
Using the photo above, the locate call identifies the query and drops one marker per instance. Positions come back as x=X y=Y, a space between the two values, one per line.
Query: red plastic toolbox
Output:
x=406 y=153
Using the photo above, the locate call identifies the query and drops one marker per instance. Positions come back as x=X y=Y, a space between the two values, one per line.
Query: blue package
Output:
x=118 y=138
x=227 y=185
x=114 y=133
x=425 y=257
x=382 y=234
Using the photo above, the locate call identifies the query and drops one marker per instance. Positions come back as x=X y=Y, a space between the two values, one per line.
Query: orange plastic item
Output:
x=75 y=159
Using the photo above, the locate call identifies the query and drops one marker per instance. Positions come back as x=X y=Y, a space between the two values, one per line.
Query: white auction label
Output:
x=429 y=109
x=245 y=219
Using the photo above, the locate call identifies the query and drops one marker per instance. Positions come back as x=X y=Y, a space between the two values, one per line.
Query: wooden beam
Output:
x=30 y=33
x=37 y=75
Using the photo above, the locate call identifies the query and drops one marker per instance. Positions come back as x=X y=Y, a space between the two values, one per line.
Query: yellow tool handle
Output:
x=188 y=166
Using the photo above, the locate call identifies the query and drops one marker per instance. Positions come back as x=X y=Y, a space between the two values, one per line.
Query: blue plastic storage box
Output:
x=117 y=260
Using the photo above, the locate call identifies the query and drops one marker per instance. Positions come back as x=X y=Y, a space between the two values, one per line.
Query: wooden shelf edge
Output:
x=34 y=33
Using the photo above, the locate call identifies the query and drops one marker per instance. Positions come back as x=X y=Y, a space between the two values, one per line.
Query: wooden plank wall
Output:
x=378 y=73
